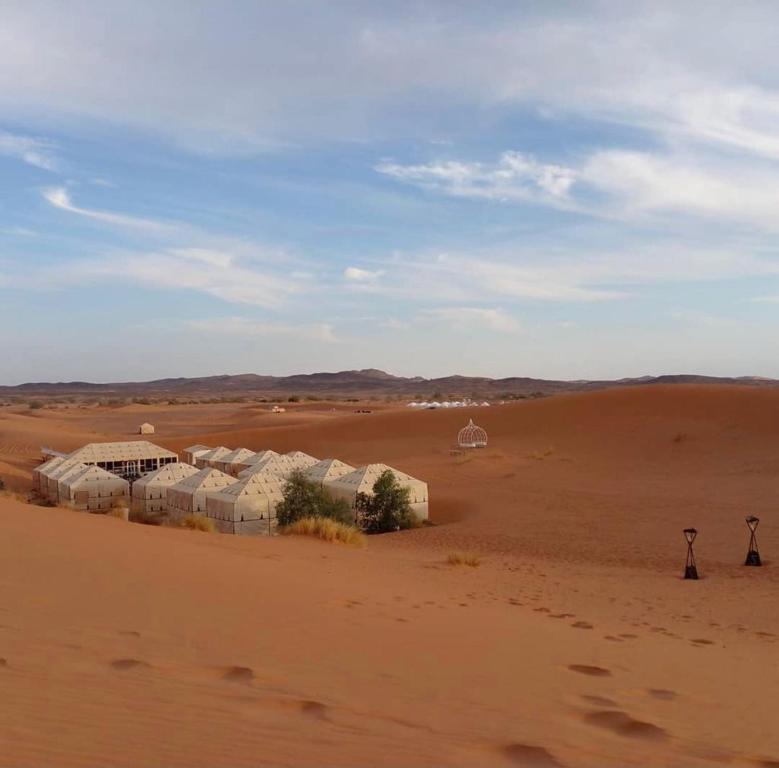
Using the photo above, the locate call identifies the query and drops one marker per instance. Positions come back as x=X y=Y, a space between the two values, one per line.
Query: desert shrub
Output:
x=35 y=405
x=199 y=523
x=303 y=499
x=293 y=399
x=387 y=509
x=2 y=484
x=459 y=557
x=326 y=529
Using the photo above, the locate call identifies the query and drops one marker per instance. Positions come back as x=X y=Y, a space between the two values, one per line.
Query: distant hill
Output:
x=362 y=383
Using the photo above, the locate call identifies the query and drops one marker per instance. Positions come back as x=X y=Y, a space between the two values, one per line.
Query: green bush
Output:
x=302 y=499
x=387 y=509
x=35 y=405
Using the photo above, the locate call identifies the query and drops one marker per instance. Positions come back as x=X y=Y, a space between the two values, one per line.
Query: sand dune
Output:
x=574 y=643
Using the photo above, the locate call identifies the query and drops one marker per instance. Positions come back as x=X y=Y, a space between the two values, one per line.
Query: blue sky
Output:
x=562 y=190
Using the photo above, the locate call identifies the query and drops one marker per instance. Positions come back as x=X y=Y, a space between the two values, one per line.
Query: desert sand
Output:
x=575 y=642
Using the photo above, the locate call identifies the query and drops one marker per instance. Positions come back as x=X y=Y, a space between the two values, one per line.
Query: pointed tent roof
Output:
x=214 y=454
x=52 y=463
x=57 y=472
x=363 y=478
x=205 y=479
x=326 y=470
x=130 y=450
x=197 y=447
x=279 y=465
x=236 y=456
x=300 y=459
x=258 y=457
x=169 y=474
x=256 y=484
x=90 y=473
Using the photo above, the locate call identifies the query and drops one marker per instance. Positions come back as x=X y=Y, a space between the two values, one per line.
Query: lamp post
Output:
x=753 y=556
x=690 y=571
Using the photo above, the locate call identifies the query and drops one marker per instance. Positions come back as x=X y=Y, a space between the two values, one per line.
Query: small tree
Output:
x=302 y=498
x=387 y=509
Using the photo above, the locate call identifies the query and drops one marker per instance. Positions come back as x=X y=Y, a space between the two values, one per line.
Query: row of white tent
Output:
x=240 y=489
x=448 y=404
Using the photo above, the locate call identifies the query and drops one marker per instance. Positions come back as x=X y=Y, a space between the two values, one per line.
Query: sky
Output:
x=572 y=190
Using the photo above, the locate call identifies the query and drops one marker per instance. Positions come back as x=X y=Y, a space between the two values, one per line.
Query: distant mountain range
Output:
x=369 y=382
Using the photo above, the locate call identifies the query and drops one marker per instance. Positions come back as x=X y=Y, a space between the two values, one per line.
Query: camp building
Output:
x=188 y=496
x=149 y=495
x=129 y=460
x=362 y=480
x=91 y=489
x=247 y=506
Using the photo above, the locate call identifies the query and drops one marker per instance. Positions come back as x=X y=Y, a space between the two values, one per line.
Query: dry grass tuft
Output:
x=460 y=557
x=119 y=512
x=199 y=523
x=326 y=529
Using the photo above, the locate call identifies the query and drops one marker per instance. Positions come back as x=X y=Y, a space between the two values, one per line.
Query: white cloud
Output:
x=464 y=318
x=33 y=151
x=358 y=275
x=59 y=197
x=241 y=326
x=514 y=177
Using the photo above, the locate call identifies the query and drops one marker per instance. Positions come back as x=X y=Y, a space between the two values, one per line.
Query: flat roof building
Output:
x=129 y=459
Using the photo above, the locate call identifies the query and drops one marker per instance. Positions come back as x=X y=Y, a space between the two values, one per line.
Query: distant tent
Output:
x=146 y=429
x=189 y=454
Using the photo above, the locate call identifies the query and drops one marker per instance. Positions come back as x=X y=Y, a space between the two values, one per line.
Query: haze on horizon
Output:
x=557 y=190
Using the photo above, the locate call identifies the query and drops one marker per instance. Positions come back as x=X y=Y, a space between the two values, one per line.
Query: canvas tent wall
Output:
x=362 y=480
x=230 y=462
x=327 y=470
x=51 y=479
x=64 y=477
x=188 y=496
x=146 y=429
x=39 y=482
x=247 y=506
x=149 y=493
x=93 y=490
x=129 y=459
x=189 y=454
x=209 y=458
x=251 y=461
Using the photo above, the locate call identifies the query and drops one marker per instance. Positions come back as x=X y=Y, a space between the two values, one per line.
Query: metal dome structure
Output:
x=472 y=436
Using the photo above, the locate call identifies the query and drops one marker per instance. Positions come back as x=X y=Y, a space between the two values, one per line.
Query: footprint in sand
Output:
x=123 y=664
x=588 y=669
x=628 y=636
x=702 y=641
x=612 y=638
x=3 y=663
x=661 y=693
x=562 y=615
x=238 y=674
x=623 y=724
x=313 y=709
x=129 y=633
x=582 y=625
x=599 y=701
x=530 y=756
x=766 y=762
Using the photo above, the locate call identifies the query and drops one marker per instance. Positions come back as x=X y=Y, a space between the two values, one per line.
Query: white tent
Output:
x=146 y=429
x=327 y=470
x=93 y=489
x=231 y=463
x=193 y=451
x=149 y=493
x=301 y=460
x=248 y=506
x=256 y=458
x=282 y=466
x=209 y=458
x=39 y=481
x=362 y=480
x=188 y=496
x=50 y=479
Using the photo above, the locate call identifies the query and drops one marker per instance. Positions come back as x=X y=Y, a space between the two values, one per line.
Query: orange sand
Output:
x=574 y=643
